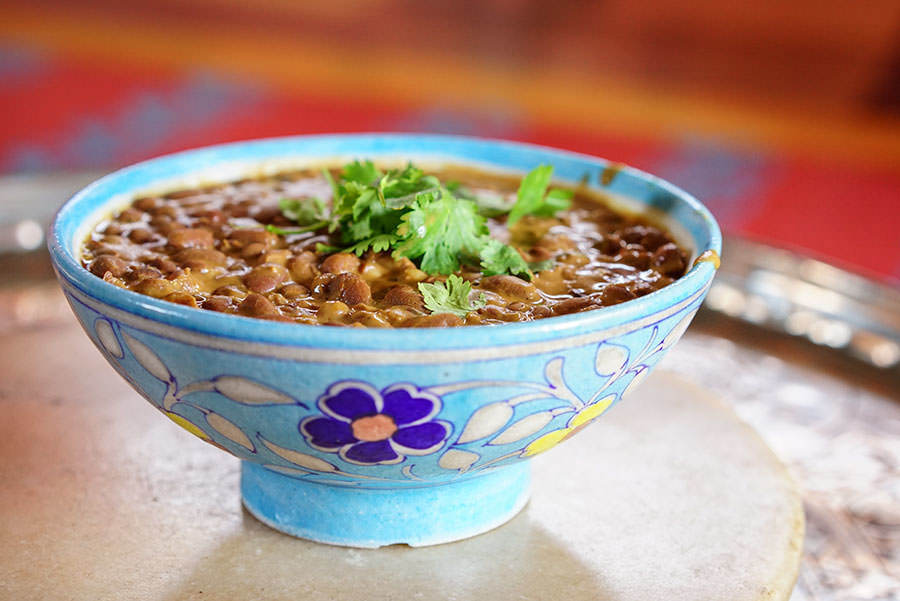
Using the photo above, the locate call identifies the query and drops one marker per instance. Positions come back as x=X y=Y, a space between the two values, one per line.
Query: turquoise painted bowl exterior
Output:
x=470 y=404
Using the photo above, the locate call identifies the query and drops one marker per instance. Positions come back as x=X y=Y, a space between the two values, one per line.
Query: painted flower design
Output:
x=576 y=423
x=368 y=427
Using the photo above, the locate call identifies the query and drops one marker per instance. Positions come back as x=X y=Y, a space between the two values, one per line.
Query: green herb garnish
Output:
x=414 y=215
x=533 y=198
x=451 y=296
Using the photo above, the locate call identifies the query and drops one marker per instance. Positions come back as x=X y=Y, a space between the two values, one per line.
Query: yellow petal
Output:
x=190 y=427
x=591 y=412
x=547 y=441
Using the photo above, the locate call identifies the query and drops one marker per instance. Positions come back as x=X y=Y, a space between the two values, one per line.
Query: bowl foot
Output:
x=373 y=517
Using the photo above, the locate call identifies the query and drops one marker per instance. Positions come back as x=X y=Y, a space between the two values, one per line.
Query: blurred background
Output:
x=783 y=117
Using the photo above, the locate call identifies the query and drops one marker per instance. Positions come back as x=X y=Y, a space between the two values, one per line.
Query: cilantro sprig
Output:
x=415 y=215
x=451 y=296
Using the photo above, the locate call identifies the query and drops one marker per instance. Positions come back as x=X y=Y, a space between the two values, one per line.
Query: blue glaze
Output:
x=469 y=404
x=417 y=516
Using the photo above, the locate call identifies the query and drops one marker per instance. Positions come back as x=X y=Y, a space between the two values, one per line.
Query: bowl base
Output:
x=353 y=516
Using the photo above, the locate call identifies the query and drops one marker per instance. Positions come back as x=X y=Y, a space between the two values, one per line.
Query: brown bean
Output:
x=143 y=272
x=340 y=263
x=669 y=260
x=257 y=305
x=108 y=263
x=230 y=291
x=217 y=303
x=572 y=305
x=634 y=258
x=613 y=295
x=201 y=258
x=332 y=312
x=191 y=238
x=156 y=288
x=147 y=203
x=244 y=237
x=404 y=295
x=348 y=288
x=303 y=268
x=182 y=298
x=435 y=320
x=517 y=306
x=140 y=235
x=253 y=249
x=113 y=228
x=511 y=286
x=162 y=210
x=292 y=291
x=266 y=278
x=541 y=311
x=130 y=215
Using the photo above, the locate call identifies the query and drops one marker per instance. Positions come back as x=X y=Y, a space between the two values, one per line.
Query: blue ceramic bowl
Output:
x=470 y=404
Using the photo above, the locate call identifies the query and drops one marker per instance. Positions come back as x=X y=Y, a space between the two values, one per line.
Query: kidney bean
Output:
x=257 y=305
x=511 y=286
x=108 y=263
x=340 y=263
x=348 y=288
x=266 y=278
x=404 y=295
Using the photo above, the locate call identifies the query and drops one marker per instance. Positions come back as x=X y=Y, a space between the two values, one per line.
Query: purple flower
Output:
x=368 y=427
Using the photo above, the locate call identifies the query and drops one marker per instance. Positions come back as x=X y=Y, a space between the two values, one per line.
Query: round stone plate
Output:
x=668 y=496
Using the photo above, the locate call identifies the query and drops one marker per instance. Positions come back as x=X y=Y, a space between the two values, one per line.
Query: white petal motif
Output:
x=147 y=358
x=676 y=333
x=636 y=381
x=229 y=430
x=455 y=459
x=304 y=460
x=248 y=392
x=486 y=421
x=525 y=427
x=610 y=359
x=107 y=338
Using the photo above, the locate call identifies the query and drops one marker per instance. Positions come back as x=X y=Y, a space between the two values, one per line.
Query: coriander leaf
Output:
x=451 y=296
x=498 y=258
x=378 y=243
x=532 y=197
x=493 y=205
x=297 y=230
x=541 y=265
x=303 y=211
x=442 y=230
x=364 y=173
x=327 y=249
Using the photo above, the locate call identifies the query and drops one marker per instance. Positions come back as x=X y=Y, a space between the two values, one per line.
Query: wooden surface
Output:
x=668 y=497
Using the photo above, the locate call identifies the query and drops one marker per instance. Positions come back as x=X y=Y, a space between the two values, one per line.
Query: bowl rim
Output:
x=70 y=270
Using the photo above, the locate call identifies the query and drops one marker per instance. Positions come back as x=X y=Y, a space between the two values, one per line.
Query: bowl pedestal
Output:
x=416 y=514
